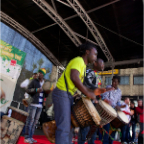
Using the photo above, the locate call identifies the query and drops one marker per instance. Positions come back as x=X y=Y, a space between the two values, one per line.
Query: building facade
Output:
x=131 y=81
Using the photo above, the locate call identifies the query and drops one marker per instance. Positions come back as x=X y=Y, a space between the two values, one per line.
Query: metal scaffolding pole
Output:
x=59 y=20
x=73 y=16
x=92 y=28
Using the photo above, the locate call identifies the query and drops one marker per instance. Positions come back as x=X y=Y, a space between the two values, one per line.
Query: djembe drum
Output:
x=18 y=114
x=10 y=130
x=27 y=101
x=107 y=114
x=83 y=114
x=47 y=87
x=119 y=121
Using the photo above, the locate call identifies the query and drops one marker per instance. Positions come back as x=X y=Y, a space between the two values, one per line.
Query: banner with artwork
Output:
x=11 y=63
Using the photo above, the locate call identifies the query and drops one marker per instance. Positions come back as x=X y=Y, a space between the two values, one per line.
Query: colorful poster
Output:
x=11 y=62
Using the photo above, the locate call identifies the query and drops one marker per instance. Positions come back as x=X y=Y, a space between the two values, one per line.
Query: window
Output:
x=124 y=80
x=138 y=80
x=108 y=81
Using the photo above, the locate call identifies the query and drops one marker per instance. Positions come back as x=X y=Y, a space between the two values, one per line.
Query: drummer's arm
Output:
x=77 y=82
x=31 y=89
x=122 y=106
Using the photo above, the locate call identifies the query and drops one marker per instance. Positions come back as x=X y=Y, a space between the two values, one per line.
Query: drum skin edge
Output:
x=92 y=110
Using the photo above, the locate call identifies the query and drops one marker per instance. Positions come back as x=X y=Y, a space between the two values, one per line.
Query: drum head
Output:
x=92 y=110
x=19 y=111
x=47 y=86
x=108 y=108
x=122 y=116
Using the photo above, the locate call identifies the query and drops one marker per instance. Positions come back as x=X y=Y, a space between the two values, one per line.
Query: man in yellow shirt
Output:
x=71 y=80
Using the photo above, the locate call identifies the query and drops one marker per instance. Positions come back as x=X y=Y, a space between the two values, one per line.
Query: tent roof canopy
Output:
x=120 y=24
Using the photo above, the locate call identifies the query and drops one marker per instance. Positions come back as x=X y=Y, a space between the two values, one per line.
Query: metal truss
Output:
x=125 y=62
x=59 y=20
x=27 y=34
x=73 y=16
x=89 y=23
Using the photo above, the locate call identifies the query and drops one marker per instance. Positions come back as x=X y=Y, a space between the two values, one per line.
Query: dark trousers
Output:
x=82 y=136
x=125 y=133
x=106 y=139
x=100 y=133
x=62 y=109
x=133 y=124
x=32 y=120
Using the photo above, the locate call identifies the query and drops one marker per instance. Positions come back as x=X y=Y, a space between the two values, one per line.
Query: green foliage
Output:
x=34 y=66
x=40 y=62
x=47 y=70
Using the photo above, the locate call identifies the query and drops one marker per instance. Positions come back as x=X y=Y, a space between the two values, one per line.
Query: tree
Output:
x=40 y=62
x=47 y=70
x=34 y=66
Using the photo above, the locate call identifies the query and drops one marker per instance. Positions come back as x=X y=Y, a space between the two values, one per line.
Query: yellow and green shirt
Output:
x=77 y=64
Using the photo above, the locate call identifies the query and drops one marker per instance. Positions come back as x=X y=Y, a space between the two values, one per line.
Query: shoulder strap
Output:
x=66 y=82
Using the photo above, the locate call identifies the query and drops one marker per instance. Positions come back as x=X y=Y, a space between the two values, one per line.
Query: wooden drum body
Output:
x=10 y=130
x=27 y=101
x=106 y=112
x=49 y=129
x=120 y=120
x=84 y=113
x=47 y=87
x=18 y=114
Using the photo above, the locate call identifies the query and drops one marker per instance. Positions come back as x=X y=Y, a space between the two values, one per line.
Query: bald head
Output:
x=99 y=65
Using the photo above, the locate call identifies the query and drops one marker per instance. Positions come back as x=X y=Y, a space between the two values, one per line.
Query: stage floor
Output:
x=41 y=139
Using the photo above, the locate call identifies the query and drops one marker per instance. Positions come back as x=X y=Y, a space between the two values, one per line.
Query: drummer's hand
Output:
x=117 y=108
x=107 y=101
x=123 y=106
x=39 y=90
x=95 y=101
x=99 y=91
x=110 y=89
x=91 y=95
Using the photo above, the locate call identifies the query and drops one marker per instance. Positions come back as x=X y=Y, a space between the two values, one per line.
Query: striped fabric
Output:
x=41 y=98
x=41 y=94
